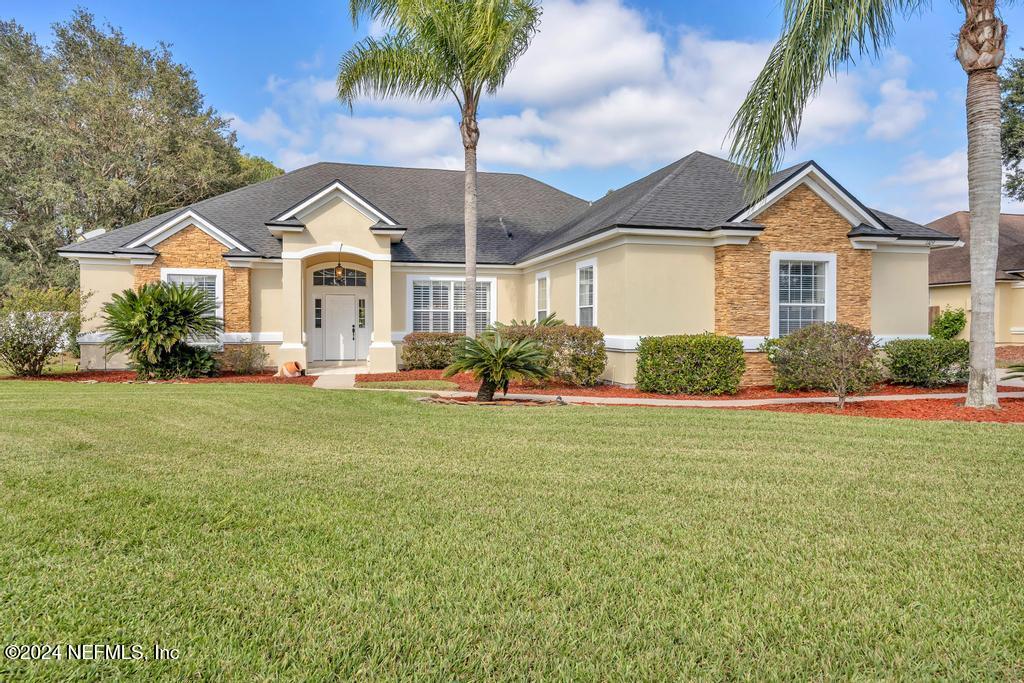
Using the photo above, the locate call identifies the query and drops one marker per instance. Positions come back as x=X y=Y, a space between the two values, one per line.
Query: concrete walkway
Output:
x=690 y=402
x=336 y=378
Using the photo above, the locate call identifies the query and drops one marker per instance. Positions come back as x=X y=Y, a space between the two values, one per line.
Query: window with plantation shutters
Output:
x=803 y=290
x=208 y=281
x=440 y=306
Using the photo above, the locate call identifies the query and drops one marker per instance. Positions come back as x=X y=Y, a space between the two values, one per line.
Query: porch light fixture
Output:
x=339 y=272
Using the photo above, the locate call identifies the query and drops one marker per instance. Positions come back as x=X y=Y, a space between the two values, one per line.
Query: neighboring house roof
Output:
x=953 y=266
x=519 y=217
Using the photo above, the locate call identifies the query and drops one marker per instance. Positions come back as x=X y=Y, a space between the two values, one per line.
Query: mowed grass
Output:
x=415 y=384
x=282 y=532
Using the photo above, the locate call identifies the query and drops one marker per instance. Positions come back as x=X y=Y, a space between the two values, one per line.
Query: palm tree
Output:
x=495 y=361
x=817 y=39
x=435 y=49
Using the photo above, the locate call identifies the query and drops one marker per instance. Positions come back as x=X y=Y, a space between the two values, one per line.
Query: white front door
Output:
x=339 y=327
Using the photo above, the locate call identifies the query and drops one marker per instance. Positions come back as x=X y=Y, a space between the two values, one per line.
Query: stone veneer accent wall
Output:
x=193 y=248
x=800 y=221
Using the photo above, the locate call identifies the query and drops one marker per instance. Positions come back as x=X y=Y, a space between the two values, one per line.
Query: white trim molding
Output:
x=537 y=277
x=109 y=259
x=814 y=178
x=93 y=337
x=883 y=338
x=182 y=221
x=580 y=265
x=336 y=188
x=621 y=342
x=334 y=248
x=828 y=258
x=252 y=337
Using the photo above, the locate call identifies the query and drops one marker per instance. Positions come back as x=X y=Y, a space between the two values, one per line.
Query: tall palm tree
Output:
x=435 y=49
x=818 y=37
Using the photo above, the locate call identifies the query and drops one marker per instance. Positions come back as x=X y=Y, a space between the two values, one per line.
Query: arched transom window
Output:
x=350 y=278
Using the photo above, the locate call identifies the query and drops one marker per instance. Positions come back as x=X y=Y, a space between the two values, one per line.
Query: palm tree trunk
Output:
x=486 y=391
x=980 y=51
x=470 y=137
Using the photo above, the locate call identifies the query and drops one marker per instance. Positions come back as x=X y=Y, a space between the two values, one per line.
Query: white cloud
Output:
x=900 y=111
x=600 y=87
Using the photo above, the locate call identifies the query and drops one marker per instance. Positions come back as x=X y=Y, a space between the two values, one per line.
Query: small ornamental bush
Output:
x=245 y=359
x=949 y=323
x=690 y=364
x=159 y=327
x=928 y=362
x=832 y=357
x=430 y=350
x=576 y=355
x=496 y=361
x=35 y=325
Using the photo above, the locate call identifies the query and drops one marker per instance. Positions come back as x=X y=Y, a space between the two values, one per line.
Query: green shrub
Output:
x=832 y=357
x=690 y=364
x=245 y=359
x=928 y=362
x=496 y=361
x=576 y=355
x=430 y=350
x=35 y=325
x=157 y=327
x=949 y=323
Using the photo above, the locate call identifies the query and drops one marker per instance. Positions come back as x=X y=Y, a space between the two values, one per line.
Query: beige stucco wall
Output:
x=336 y=221
x=265 y=291
x=101 y=282
x=1009 y=308
x=899 y=301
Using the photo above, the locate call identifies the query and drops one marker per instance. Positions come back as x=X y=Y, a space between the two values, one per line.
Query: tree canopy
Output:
x=1012 y=84
x=97 y=132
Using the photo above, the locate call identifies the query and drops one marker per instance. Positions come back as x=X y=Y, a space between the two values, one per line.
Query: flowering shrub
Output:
x=35 y=325
x=430 y=350
x=834 y=357
x=690 y=364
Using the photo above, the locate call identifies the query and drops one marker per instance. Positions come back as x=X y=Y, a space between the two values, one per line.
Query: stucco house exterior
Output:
x=678 y=251
x=950 y=274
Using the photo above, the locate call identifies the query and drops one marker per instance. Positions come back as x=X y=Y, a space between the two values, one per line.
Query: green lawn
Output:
x=283 y=532
x=417 y=384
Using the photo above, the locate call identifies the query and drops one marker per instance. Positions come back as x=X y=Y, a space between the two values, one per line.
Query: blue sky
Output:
x=610 y=90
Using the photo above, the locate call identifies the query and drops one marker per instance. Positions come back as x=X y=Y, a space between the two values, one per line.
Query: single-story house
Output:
x=949 y=274
x=678 y=251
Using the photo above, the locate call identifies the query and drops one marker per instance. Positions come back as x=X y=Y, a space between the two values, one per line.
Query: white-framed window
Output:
x=803 y=290
x=586 y=293
x=208 y=280
x=350 y=278
x=543 y=307
x=439 y=304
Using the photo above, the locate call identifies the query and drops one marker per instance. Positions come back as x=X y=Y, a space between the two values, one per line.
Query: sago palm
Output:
x=435 y=49
x=819 y=37
x=496 y=362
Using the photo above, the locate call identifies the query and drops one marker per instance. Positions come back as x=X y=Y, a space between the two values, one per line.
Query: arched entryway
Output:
x=339 y=311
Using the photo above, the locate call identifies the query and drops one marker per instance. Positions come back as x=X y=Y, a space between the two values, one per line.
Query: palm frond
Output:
x=818 y=38
x=392 y=66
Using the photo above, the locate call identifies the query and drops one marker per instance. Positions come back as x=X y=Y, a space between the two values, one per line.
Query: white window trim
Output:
x=218 y=286
x=183 y=220
x=410 y=278
x=828 y=258
x=591 y=263
x=546 y=276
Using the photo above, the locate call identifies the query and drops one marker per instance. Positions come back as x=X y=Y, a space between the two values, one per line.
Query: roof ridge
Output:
x=647 y=196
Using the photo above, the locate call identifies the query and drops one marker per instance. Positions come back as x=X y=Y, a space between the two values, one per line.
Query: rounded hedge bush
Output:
x=690 y=364
x=576 y=354
x=430 y=350
x=928 y=362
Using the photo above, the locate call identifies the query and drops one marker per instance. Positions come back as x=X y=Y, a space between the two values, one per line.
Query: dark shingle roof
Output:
x=950 y=266
x=519 y=217
x=514 y=211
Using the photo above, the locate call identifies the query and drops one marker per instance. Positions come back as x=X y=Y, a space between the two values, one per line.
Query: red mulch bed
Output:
x=467 y=383
x=122 y=376
x=1011 y=410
